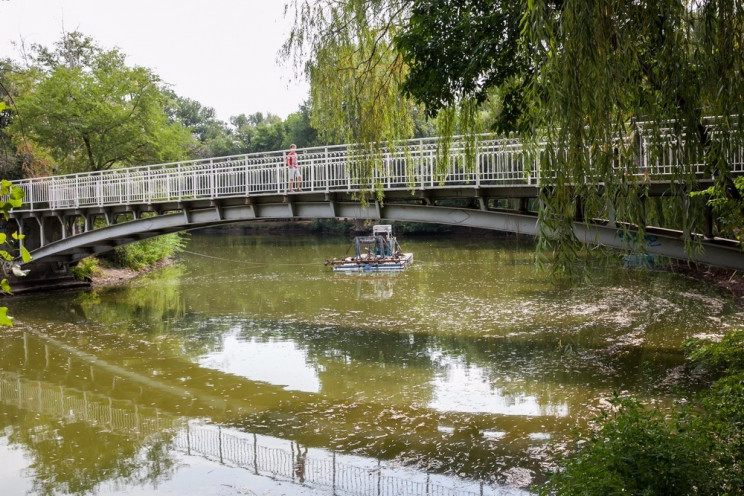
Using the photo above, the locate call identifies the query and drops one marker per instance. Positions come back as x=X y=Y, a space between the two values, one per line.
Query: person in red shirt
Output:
x=295 y=179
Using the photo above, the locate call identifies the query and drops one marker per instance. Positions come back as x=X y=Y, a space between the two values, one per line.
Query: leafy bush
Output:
x=86 y=269
x=695 y=449
x=726 y=355
x=637 y=451
x=148 y=252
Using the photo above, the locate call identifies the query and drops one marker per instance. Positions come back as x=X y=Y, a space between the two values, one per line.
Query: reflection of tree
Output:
x=139 y=302
x=76 y=457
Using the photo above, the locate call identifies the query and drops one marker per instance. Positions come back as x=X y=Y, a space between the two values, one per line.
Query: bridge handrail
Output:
x=406 y=164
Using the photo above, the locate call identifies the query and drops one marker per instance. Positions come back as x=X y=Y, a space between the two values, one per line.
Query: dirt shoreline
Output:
x=729 y=280
x=111 y=276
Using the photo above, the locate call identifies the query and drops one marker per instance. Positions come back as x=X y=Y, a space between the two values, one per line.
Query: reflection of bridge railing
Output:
x=120 y=416
x=408 y=164
x=193 y=438
x=238 y=450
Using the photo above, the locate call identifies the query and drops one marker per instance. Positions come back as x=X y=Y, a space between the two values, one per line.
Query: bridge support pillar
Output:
x=709 y=223
x=62 y=226
x=579 y=210
x=40 y=223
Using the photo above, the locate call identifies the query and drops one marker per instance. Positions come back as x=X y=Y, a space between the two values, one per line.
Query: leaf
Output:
x=16 y=197
x=4 y=318
x=3 y=237
x=25 y=255
x=16 y=269
x=5 y=286
x=5 y=186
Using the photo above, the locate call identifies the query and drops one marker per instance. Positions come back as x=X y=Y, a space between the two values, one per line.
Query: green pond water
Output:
x=248 y=367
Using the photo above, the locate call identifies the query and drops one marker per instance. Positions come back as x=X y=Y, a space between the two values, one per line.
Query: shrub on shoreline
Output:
x=697 y=448
x=137 y=256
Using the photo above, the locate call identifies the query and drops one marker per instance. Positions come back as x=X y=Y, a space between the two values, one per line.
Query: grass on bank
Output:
x=135 y=256
x=697 y=449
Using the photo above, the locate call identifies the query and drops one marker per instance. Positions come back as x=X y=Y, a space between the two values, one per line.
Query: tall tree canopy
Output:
x=92 y=111
x=586 y=76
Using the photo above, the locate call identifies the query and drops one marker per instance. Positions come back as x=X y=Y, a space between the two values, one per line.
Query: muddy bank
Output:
x=729 y=280
x=111 y=276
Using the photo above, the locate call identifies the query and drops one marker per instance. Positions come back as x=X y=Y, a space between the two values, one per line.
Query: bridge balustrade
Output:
x=406 y=165
x=411 y=164
x=237 y=449
x=62 y=402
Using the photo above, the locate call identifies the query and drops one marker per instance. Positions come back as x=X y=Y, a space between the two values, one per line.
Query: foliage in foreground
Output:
x=148 y=252
x=14 y=197
x=695 y=449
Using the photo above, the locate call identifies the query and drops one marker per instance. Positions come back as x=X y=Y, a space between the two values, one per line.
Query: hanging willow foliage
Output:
x=355 y=75
x=615 y=72
x=600 y=89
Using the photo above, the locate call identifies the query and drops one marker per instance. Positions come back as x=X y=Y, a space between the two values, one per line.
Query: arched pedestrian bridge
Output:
x=66 y=218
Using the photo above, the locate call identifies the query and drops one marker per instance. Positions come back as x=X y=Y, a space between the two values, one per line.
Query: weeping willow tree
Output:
x=346 y=51
x=614 y=74
x=599 y=89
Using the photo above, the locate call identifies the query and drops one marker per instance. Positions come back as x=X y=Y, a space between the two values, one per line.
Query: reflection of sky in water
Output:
x=466 y=388
x=276 y=362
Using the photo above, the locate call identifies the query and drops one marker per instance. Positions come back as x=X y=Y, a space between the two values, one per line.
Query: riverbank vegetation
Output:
x=134 y=256
x=696 y=448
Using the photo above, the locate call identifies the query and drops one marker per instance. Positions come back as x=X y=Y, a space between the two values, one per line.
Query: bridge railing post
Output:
x=477 y=168
x=421 y=161
x=212 y=180
x=327 y=168
x=247 y=181
x=99 y=190
x=179 y=182
x=313 y=165
x=279 y=172
x=147 y=185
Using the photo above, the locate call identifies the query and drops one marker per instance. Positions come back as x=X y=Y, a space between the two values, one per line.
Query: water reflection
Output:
x=467 y=388
x=469 y=364
x=257 y=361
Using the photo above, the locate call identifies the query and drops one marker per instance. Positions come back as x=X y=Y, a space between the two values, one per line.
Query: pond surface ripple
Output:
x=248 y=367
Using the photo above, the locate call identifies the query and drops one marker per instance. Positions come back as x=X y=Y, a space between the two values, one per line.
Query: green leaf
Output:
x=4 y=318
x=5 y=186
x=3 y=237
x=16 y=196
x=25 y=255
x=17 y=236
x=5 y=286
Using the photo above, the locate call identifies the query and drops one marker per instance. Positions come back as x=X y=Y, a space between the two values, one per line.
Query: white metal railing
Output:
x=411 y=164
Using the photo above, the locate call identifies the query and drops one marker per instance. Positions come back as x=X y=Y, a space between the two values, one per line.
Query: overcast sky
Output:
x=222 y=53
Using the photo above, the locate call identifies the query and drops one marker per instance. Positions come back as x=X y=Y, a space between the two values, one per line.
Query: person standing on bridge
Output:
x=295 y=179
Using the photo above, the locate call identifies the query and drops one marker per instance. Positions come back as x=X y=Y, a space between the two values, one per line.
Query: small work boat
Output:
x=379 y=252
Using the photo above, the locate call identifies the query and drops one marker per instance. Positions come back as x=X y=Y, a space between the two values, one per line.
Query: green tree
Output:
x=299 y=130
x=347 y=51
x=212 y=136
x=584 y=77
x=93 y=112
